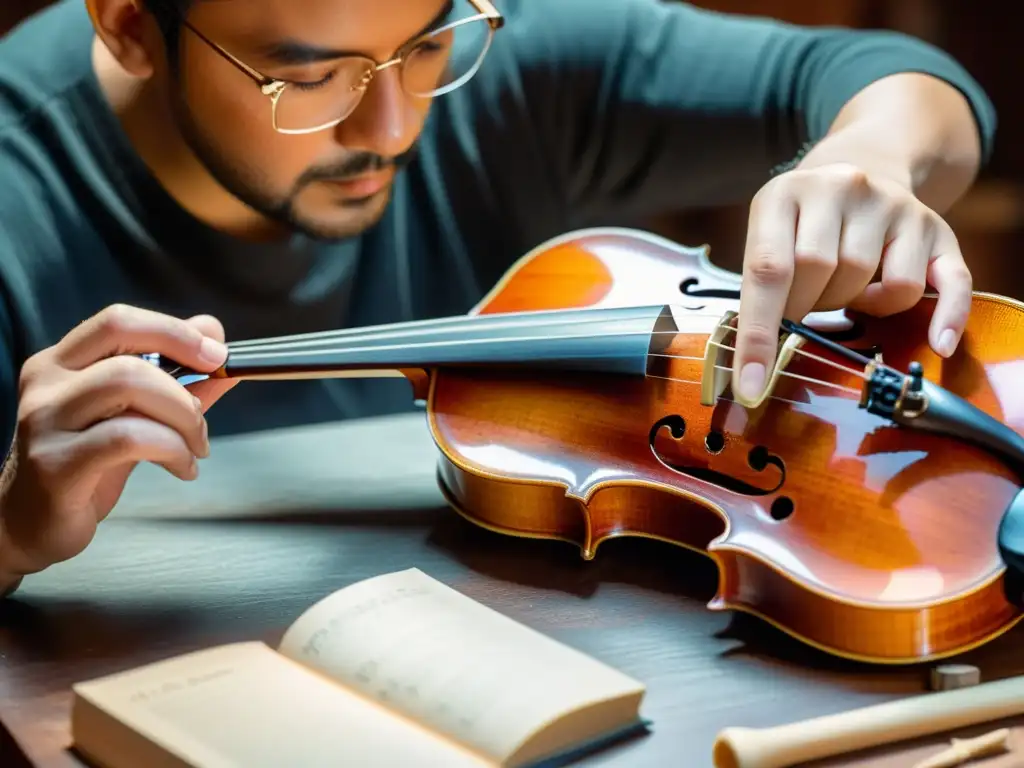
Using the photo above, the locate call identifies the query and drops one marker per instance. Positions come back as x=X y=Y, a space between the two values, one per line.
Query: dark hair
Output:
x=168 y=15
x=167 y=11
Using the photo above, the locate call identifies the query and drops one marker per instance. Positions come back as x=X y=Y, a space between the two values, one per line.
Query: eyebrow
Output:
x=293 y=52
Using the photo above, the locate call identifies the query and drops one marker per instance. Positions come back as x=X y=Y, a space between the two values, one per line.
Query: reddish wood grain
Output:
x=210 y=569
x=882 y=557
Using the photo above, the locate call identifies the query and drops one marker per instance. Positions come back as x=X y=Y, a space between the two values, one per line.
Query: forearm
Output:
x=10 y=576
x=10 y=580
x=913 y=128
x=698 y=108
x=9 y=584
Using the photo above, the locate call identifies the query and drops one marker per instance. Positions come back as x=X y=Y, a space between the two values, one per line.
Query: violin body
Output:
x=872 y=513
x=856 y=536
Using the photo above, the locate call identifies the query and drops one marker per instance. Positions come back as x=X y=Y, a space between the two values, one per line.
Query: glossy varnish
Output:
x=587 y=397
x=865 y=539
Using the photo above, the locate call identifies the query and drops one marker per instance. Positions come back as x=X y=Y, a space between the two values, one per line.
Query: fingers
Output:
x=904 y=268
x=90 y=410
x=768 y=270
x=819 y=230
x=211 y=390
x=815 y=241
x=121 y=329
x=950 y=276
x=924 y=251
x=863 y=241
x=209 y=326
x=120 y=384
x=113 y=443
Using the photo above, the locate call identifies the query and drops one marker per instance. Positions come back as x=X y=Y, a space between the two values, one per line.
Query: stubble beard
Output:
x=245 y=182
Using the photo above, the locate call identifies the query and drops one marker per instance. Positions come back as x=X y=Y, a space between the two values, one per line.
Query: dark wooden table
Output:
x=277 y=521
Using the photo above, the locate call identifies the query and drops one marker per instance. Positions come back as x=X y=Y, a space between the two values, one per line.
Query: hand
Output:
x=815 y=240
x=89 y=411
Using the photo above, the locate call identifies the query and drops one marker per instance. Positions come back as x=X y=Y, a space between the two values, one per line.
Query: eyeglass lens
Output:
x=437 y=64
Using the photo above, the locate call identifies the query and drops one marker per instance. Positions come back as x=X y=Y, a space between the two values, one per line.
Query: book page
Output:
x=246 y=705
x=447 y=661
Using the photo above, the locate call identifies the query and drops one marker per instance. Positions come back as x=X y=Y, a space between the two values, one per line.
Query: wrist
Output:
x=9 y=584
x=10 y=576
x=908 y=170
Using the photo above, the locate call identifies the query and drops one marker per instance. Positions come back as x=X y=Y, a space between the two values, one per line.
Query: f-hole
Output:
x=666 y=440
x=688 y=288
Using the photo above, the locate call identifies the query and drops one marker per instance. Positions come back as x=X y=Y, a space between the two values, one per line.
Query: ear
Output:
x=128 y=32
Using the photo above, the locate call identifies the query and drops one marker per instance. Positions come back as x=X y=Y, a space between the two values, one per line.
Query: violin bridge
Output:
x=718 y=356
x=789 y=343
x=718 y=362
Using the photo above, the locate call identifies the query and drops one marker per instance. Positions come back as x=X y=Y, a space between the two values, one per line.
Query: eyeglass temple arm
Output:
x=487 y=8
x=260 y=79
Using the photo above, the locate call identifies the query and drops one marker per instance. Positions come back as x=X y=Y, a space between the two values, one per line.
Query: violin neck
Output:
x=612 y=340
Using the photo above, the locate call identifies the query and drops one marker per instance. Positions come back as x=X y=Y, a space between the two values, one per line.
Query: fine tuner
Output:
x=588 y=397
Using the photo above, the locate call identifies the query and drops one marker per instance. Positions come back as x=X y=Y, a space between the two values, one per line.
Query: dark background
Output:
x=989 y=221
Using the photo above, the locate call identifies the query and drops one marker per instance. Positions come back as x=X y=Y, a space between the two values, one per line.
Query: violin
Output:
x=869 y=504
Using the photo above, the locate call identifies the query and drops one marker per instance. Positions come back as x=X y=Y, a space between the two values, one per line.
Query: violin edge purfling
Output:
x=580 y=420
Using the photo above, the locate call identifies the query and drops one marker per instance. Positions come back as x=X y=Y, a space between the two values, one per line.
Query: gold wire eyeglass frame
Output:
x=274 y=88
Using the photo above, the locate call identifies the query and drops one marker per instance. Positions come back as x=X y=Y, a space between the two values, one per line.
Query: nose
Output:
x=385 y=122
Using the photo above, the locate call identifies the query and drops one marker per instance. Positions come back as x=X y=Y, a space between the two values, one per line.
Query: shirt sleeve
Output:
x=651 y=106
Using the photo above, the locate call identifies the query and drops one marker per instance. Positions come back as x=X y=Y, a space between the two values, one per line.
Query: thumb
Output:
x=208 y=325
x=210 y=390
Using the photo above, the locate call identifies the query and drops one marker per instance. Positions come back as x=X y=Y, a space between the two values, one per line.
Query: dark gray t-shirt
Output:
x=585 y=112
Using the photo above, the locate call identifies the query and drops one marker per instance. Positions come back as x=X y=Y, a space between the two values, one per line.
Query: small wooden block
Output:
x=947 y=677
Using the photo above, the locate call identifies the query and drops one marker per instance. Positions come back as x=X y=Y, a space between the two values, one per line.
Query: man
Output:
x=179 y=172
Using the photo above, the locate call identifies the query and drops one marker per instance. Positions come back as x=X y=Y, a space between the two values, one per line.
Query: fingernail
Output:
x=751 y=381
x=212 y=351
x=947 y=342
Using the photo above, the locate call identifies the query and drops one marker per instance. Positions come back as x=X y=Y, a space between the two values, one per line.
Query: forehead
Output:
x=370 y=26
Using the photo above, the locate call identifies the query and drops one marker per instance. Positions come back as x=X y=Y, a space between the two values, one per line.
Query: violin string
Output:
x=242 y=357
x=811 y=355
x=496 y=321
x=789 y=374
x=729 y=399
x=238 y=357
x=249 y=355
x=331 y=336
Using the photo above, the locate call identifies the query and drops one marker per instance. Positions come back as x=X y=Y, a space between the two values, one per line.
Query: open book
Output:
x=396 y=670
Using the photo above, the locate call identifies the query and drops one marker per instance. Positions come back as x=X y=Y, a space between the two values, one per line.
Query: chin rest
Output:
x=1011 y=549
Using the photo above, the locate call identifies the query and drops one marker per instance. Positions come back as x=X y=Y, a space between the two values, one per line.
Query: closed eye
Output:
x=307 y=85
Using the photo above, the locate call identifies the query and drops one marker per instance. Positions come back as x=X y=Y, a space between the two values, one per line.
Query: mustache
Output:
x=358 y=164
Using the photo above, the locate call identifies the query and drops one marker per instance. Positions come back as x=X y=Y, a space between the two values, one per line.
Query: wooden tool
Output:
x=839 y=734
x=588 y=397
x=961 y=750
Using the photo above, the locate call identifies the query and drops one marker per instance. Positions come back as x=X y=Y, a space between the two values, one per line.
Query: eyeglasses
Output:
x=430 y=65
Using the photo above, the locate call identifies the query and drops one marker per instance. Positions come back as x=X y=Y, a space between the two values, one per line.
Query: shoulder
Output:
x=559 y=30
x=42 y=60
x=45 y=67
x=567 y=34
